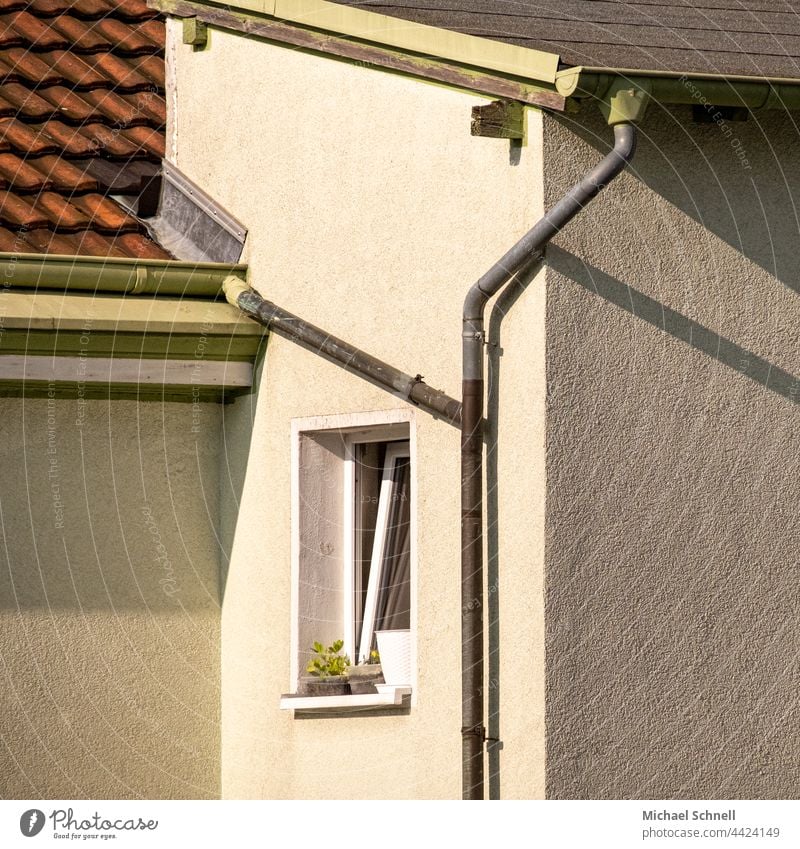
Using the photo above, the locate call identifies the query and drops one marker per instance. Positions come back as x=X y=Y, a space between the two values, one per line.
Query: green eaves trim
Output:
x=123 y=392
x=116 y=275
x=405 y=35
x=210 y=346
x=366 y=55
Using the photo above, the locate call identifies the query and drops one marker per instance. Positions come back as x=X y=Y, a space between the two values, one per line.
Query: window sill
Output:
x=397 y=697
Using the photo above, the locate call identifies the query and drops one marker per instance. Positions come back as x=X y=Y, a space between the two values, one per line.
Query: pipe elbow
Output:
x=625 y=137
x=475 y=303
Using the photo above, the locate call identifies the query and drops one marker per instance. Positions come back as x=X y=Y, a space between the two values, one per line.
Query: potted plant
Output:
x=327 y=670
x=365 y=676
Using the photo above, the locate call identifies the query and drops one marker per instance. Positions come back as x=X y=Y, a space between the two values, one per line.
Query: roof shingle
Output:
x=727 y=37
x=82 y=115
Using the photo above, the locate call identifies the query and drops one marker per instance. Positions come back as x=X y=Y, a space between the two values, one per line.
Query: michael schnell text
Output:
x=729 y=816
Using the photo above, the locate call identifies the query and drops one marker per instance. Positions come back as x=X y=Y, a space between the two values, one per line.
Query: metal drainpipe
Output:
x=412 y=389
x=532 y=243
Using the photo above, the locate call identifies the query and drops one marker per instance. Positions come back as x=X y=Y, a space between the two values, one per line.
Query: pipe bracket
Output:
x=409 y=390
x=478 y=731
x=141 y=281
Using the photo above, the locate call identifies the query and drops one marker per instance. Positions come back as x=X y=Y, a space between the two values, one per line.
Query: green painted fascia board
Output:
x=117 y=275
x=121 y=392
x=120 y=326
x=144 y=345
x=381 y=29
x=674 y=88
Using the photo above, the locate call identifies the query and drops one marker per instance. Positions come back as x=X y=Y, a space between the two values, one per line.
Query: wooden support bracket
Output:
x=501 y=119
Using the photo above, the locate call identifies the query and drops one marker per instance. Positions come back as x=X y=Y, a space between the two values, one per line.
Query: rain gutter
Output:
x=113 y=275
x=678 y=88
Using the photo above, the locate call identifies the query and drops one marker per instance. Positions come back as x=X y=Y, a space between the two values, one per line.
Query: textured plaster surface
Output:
x=672 y=471
x=109 y=624
x=370 y=211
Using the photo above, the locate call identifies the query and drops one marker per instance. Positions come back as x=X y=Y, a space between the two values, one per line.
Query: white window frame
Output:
x=379 y=426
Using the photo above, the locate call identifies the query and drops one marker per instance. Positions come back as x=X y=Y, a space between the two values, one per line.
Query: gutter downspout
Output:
x=400 y=384
x=529 y=247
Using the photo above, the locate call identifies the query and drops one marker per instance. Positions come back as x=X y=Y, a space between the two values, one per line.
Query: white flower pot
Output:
x=395 y=651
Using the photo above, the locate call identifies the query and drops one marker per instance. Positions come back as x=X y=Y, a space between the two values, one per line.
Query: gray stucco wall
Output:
x=109 y=625
x=672 y=593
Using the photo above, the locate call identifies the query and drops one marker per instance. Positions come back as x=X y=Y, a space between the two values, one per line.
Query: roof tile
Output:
x=128 y=74
x=16 y=100
x=18 y=212
x=63 y=175
x=23 y=177
x=82 y=39
x=61 y=214
x=147 y=139
x=23 y=29
x=145 y=38
x=60 y=66
x=46 y=8
x=18 y=65
x=105 y=215
x=82 y=116
x=85 y=242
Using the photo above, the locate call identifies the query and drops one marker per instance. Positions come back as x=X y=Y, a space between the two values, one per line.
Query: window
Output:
x=353 y=534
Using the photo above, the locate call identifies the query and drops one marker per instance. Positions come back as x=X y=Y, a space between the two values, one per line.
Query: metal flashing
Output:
x=191 y=224
x=203 y=201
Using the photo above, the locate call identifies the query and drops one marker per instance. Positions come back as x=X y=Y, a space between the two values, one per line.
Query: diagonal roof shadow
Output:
x=676 y=324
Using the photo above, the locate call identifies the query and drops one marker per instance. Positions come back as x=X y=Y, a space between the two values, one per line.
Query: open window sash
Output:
x=387 y=600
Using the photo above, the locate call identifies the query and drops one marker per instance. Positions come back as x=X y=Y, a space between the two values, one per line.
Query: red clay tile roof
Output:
x=82 y=117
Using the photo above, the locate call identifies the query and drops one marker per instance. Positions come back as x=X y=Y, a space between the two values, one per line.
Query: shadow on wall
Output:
x=737 y=180
x=236 y=438
x=109 y=626
x=108 y=506
x=509 y=296
x=679 y=326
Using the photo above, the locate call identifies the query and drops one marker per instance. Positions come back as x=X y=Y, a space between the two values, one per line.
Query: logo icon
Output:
x=31 y=822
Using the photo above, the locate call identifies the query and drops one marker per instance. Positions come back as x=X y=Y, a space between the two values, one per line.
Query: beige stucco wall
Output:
x=109 y=628
x=672 y=356
x=370 y=211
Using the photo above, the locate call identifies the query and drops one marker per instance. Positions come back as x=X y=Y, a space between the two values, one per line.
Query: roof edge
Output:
x=116 y=275
x=401 y=34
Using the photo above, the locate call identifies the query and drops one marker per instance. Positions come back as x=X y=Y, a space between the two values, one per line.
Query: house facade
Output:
x=640 y=584
x=346 y=183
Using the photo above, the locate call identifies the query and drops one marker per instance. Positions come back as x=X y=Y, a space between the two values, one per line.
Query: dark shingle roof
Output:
x=733 y=37
x=82 y=117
